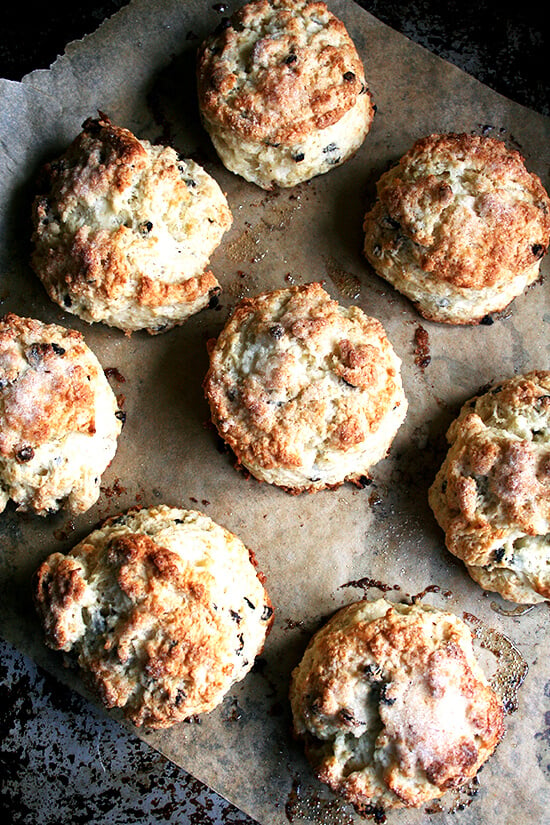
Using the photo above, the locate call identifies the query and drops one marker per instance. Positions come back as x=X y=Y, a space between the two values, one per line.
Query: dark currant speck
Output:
x=24 y=454
x=180 y=696
x=391 y=222
x=225 y=23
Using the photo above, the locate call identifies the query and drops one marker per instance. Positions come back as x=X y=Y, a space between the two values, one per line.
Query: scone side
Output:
x=459 y=226
x=124 y=229
x=490 y=495
x=121 y=601
x=349 y=742
x=283 y=336
x=60 y=418
x=282 y=92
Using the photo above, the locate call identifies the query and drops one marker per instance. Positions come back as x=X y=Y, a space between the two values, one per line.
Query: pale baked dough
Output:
x=393 y=706
x=162 y=608
x=124 y=230
x=282 y=92
x=306 y=392
x=492 y=493
x=59 y=418
x=459 y=227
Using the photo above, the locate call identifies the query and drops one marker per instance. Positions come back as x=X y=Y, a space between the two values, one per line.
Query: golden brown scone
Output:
x=393 y=706
x=162 y=609
x=282 y=92
x=59 y=418
x=459 y=227
x=492 y=493
x=307 y=393
x=123 y=230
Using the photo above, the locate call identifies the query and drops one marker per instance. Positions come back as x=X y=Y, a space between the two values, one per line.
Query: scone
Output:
x=459 y=227
x=162 y=609
x=282 y=92
x=307 y=393
x=492 y=493
x=123 y=230
x=392 y=705
x=59 y=418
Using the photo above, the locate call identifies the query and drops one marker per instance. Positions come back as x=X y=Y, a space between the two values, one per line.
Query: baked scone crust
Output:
x=282 y=92
x=163 y=609
x=124 y=229
x=59 y=418
x=392 y=705
x=307 y=393
x=459 y=226
x=491 y=495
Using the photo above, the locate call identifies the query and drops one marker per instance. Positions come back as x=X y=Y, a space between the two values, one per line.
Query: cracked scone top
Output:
x=459 y=227
x=124 y=230
x=162 y=608
x=392 y=705
x=306 y=392
x=491 y=495
x=59 y=418
x=282 y=92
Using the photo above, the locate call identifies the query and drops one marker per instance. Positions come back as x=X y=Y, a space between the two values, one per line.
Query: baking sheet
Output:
x=321 y=551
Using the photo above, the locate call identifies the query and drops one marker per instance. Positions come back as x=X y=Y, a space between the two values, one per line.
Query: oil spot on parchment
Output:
x=510 y=668
x=542 y=740
x=347 y=284
x=255 y=242
x=244 y=283
x=11 y=540
x=305 y=803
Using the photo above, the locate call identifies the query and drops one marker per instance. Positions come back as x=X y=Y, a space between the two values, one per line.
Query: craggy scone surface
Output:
x=123 y=230
x=59 y=418
x=492 y=493
x=459 y=226
x=392 y=705
x=307 y=393
x=272 y=85
x=162 y=608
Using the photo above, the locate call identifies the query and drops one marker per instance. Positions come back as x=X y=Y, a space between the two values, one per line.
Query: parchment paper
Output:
x=321 y=551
